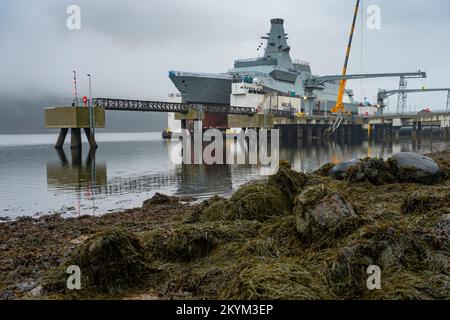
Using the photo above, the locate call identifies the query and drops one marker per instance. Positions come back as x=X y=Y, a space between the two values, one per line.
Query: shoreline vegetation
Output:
x=292 y=236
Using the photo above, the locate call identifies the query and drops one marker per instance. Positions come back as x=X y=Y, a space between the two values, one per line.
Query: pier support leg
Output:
x=309 y=132
x=414 y=130
x=90 y=137
x=76 y=156
x=61 y=138
x=299 y=132
x=75 y=138
x=446 y=133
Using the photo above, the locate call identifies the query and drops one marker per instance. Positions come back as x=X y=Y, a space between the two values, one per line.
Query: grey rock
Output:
x=38 y=291
x=413 y=167
x=26 y=286
x=7 y=295
x=339 y=170
x=327 y=215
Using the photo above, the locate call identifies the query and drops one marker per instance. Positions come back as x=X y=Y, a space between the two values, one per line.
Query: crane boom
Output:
x=388 y=93
x=339 y=105
x=318 y=81
x=384 y=94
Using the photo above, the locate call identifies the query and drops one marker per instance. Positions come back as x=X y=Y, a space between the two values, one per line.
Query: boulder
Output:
x=38 y=291
x=258 y=201
x=374 y=170
x=111 y=261
x=7 y=295
x=288 y=181
x=423 y=202
x=324 y=214
x=339 y=171
x=413 y=167
x=160 y=199
x=325 y=169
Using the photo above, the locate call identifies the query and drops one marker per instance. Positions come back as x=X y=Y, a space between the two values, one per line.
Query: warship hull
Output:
x=202 y=89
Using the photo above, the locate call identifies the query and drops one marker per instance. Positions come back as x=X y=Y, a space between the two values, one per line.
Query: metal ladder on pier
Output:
x=336 y=124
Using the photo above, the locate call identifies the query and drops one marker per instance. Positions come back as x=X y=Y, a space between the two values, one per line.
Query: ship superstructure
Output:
x=273 y=74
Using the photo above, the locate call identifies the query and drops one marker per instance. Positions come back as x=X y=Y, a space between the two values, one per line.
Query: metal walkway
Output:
x=161 y=106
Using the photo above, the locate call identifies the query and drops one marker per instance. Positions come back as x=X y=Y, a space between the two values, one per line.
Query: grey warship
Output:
x=275 y=71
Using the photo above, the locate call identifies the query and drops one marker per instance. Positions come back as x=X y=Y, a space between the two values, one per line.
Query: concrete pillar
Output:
x=414 y=129
x=62 y=156
x=61 y=138
x=309 y=131
x=75 y=142
x=419 y=128
x=90 y=137
x=198 y=136
x=341 y=132
x=76 y=156
x=320 y=131
x=396 y=131
x=299 y=132
x=348 y=133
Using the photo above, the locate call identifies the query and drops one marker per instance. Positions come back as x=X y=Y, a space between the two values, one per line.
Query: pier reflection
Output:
x=82 y=179
x=76 y=174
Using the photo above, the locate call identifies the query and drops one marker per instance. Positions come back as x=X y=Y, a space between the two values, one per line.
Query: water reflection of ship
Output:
x=204 y=179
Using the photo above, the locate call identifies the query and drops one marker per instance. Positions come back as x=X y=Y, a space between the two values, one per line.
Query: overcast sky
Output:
x=129 y=46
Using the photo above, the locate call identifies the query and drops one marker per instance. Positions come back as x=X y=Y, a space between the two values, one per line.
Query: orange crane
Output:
x=339 y=104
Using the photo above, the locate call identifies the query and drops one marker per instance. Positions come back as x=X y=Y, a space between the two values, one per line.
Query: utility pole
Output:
x=75 y=90
x=447 y=109
x=91 y=111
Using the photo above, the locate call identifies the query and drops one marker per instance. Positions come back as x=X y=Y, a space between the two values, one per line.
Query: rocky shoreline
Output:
x=294 y=236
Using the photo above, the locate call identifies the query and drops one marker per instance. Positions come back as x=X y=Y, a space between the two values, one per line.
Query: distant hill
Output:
x=27 y=116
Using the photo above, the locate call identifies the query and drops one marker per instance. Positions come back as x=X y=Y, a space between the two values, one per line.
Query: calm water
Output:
x=129 y=168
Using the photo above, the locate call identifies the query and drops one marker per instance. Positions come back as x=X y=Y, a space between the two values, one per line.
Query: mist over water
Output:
x=129 y=168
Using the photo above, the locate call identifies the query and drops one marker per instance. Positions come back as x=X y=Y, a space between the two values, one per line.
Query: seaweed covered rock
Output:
x=218 y=210
x=288 y=181
x=111 y=262
x=160 y=199
x=192 y=242
x=423 y=202
x=325 y=169
x=374 y=170
x=438 y=236
x=283 y=279
x=413 y=167
x=213 y=209
x=258 y=201
x=445 y=166
x=324 y=214
x=386 y=246
x=339 y=171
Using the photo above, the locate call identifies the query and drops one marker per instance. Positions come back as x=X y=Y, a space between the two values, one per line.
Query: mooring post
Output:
x=61 y=138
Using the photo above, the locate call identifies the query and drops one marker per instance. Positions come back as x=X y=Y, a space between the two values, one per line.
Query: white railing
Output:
x=202 y=75
x=298 y=61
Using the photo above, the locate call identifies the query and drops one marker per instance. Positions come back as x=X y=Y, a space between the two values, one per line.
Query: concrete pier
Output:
x=75 y=119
